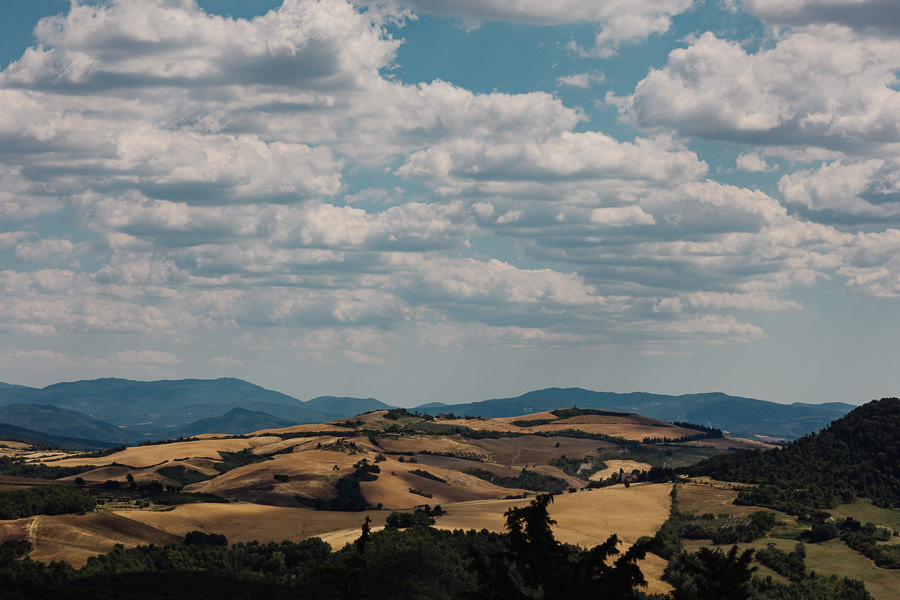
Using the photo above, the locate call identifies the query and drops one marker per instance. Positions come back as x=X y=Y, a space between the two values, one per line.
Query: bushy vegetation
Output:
x=727 y=530
x=711 y=432
x=182 y=475
x=44 y=500
x=420 y=517
x=568 y=413
x=427 y=475
x=17 y=467
x=233 y=460
x=410 y=560
x=349 y=496
x=865 y=540
x=856 y=456
x=526 y=480
x=787 y=564
x=582 y=468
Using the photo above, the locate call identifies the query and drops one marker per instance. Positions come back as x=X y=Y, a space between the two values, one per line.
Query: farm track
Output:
x=31 y=531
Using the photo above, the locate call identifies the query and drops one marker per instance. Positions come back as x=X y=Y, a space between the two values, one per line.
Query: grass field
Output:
x=865 y=512
x=827 y=558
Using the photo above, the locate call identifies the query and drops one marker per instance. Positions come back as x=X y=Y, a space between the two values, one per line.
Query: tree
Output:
x=712 y=575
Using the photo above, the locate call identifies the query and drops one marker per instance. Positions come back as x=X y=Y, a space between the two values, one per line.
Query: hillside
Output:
x=740 y=417
x=608 y=471
x=152 y=410
x=14 y=432
x=237 y=420
x=856 y=456
x=56 y=421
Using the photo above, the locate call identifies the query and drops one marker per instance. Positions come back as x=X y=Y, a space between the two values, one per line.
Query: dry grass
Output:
x=711 y=498
x=308 y=474
x=309 y=428
x=527 y=451
x=146 y=456
x=613 y=466
x=585 y=518
x=73 y=538
x=9 y=483
x=631 y=427
x=391 y=489
x=243 y=522
x=432 y=444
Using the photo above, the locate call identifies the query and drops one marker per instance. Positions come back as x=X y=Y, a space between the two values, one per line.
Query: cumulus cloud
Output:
x=466 y=166
x=825 y=86
x=54 y=250
x=270 y=175
x=846 y=192
x=753 y=162
x=583 y=81
x=873 y=15
x=618 y=20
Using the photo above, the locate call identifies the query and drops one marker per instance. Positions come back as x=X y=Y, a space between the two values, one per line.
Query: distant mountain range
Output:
x=129 y=412
x=121 y=411
x=740 y=417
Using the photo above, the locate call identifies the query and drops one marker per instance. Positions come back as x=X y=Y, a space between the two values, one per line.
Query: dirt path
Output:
x=31 y=531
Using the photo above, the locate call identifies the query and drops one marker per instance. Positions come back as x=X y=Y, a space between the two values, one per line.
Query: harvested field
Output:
x=73 y=538
x=613 y=466
x=585 y=518
x=9 y=483
x=630 y=427
x=530 y=450
x=457 y=464
x=729 y=443
x=308 y=473
x=308 y=428
x=392 y=488
x=146 y=456
x=701 y=499
x=242 y=522
x=434 y=445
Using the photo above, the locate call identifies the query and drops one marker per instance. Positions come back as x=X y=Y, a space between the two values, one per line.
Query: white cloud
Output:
x=584 y=81
x=226 y=362
x=231 y=175
x=844 y=191
x=618 y=20
x=8 y=239
x=753 y=162
x=878 y=15
x=824 y=86
x=466 y=166
x=54 y=250
x=144 y=356
x=621 y=215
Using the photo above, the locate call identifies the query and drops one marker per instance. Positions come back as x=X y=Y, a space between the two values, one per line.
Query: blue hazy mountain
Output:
x=57 y=421
x=237 y=420
x=145 y=410
x=122 y=410
x=742 y=417
x=13 y=432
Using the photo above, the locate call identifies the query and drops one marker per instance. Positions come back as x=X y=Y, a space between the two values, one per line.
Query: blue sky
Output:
x=448 y=201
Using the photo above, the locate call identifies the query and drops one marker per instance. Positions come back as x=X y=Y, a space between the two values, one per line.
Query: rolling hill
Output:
x=153 y=410
x=742 y=417
x=52 y=420
x=126 y=411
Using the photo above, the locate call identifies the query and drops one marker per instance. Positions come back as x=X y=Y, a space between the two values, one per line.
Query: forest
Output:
x=412 y=560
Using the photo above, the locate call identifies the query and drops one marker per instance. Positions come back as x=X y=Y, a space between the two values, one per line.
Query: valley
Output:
x=610 y=472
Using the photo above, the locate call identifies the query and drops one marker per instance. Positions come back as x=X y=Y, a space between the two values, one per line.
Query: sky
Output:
x=448 y=201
